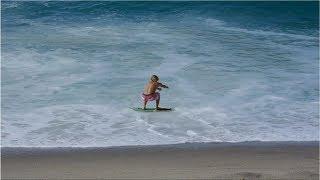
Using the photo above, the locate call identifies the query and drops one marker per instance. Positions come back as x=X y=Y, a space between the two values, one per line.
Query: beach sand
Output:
x=246 y=160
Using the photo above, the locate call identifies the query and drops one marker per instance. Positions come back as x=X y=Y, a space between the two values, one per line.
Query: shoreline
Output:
x=216 y=160
x=177 y=145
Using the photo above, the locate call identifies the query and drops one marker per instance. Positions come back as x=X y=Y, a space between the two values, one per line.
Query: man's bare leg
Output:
x=157 y=103
x=144 y=104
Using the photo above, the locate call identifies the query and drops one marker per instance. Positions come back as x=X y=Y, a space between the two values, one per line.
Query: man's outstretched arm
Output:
x=162 y=85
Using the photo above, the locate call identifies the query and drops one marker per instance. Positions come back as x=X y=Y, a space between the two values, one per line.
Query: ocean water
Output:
x=237 y=71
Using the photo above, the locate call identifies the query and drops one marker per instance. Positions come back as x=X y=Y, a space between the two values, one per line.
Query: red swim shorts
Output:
x=151 y=97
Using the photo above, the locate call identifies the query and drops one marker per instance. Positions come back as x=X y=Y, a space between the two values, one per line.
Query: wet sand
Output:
x=246 y=160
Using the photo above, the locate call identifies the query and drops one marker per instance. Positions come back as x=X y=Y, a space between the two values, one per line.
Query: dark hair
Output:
x=154 y=78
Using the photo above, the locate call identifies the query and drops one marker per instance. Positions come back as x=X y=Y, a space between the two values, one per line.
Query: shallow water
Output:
x=237 y=71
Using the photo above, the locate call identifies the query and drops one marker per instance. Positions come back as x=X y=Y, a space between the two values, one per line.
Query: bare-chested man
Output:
x=150 y=94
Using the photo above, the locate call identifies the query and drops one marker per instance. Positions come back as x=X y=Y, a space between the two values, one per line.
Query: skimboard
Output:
x=151 y=109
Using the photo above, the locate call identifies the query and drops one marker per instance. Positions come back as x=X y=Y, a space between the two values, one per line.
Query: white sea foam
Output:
x=10 y=5
x=218 y=24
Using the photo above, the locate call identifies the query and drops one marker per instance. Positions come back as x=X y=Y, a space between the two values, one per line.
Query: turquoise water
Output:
x=237 y=71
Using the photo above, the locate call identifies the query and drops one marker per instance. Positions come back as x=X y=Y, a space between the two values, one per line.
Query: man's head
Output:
x=154 y=78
